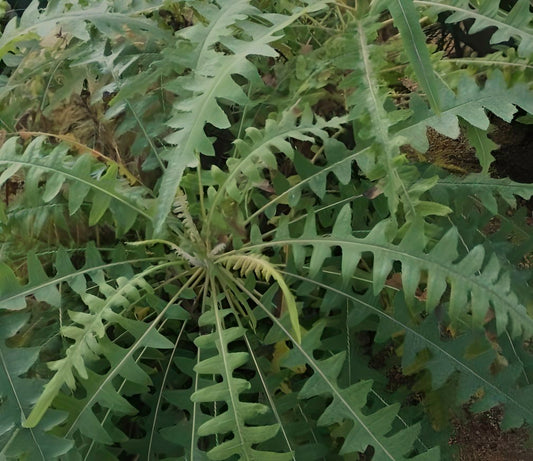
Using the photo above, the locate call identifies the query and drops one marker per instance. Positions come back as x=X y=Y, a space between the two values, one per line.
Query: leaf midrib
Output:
x=399 y=255
x=474 y=14
x=66 y=173
x=383 y=314
x=56 y=281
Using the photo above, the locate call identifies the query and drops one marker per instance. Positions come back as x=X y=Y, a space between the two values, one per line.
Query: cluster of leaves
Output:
x=214 y=243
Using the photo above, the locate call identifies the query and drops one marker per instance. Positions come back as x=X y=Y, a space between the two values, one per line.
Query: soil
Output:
x=454 y=155
x=479 y=438
x=514 y=158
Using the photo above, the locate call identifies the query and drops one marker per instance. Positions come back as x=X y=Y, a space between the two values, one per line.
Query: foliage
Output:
x=213 y=229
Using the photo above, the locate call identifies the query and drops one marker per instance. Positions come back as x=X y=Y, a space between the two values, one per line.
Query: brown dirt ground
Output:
x=479 y=438
x=514 y=157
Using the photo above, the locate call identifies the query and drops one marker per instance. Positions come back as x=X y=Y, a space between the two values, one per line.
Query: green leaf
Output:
x=72 y=19
x=249 y=263
x=92 y=327
x=17 y=394
x=476 y=283
x=208 y=86
x=474 y=358
x=9 y=286
x=37 y=276
x=484 y=188
x=346 y=404
x=406 y=19
x=106 y=190
x=514 y=24
x=235 y=418
x=469 y=104
x=483 y=144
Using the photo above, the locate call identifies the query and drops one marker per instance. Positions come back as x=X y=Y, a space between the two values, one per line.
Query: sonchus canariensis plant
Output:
x=212 y=229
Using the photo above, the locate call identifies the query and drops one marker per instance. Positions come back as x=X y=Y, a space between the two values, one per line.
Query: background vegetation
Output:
x=263 y=230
